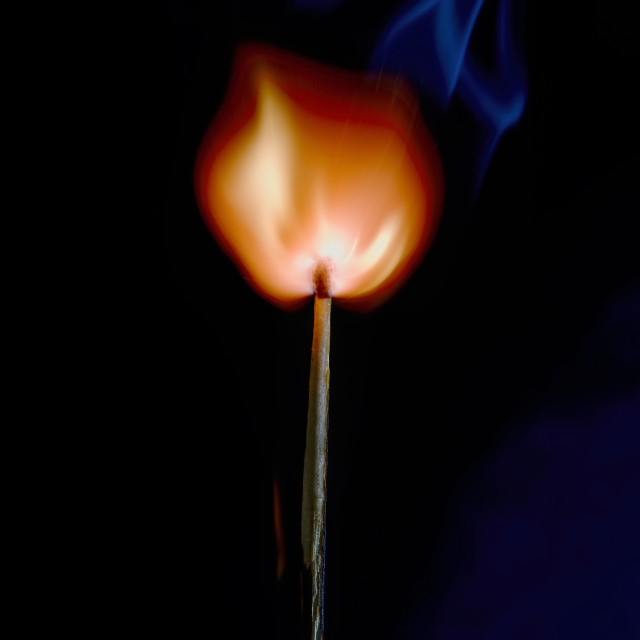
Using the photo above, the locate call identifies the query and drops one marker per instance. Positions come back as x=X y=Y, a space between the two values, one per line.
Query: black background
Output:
x=523 y=313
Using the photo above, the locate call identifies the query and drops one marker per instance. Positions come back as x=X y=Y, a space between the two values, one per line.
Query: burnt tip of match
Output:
x=322 y=278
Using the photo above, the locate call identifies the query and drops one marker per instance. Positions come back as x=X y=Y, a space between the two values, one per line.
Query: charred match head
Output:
x=322 y=278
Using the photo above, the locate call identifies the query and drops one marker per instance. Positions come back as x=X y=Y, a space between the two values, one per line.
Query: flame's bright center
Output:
x=306 y=164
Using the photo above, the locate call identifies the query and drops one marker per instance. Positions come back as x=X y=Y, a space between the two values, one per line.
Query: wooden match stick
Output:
x=315 y=458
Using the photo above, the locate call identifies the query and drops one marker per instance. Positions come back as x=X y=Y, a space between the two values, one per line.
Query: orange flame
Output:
x=306 y=164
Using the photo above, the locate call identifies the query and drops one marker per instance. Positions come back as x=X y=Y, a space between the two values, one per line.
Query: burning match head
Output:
x=322 y=278
x=305 y=166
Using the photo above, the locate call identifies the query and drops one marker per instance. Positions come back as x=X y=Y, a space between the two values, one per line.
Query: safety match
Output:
x=314 y=485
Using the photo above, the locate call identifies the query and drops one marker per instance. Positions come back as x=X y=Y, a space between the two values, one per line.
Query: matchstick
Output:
x=315 y=458
x=370 y=195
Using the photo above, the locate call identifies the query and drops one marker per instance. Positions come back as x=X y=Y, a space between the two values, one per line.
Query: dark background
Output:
x=484 y=452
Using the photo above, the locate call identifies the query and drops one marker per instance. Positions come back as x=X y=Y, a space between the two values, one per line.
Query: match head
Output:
x=322 y=278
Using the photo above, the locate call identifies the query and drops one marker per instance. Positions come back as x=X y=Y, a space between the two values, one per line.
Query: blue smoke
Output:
x=429 y=43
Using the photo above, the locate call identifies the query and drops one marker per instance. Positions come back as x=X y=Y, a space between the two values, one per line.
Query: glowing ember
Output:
x=307 y=165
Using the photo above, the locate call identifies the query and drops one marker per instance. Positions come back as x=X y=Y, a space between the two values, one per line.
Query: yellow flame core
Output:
x=303 y=180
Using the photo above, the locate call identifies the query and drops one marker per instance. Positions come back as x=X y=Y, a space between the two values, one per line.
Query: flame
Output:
x=306 y=164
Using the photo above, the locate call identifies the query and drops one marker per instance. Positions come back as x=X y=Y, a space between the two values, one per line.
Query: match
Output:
x=318 y=180
x=314 y=484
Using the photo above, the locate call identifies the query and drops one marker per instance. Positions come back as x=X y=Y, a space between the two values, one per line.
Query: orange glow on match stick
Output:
x=305 y=164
